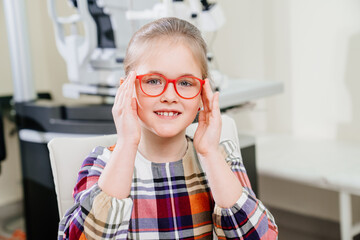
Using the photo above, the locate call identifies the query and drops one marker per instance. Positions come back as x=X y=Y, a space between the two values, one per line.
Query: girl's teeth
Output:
x=170 y=114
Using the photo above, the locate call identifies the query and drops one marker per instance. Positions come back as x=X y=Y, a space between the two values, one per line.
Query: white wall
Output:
x=255 y=44
x=324 y=45
x=5 y=83
x=239 y=52
x=310 y=46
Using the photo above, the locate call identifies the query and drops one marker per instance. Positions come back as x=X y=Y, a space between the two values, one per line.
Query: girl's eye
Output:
x=185 y=83
x=153 y=81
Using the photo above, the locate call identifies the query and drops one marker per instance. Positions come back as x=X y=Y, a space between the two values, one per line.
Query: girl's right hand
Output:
x=124 y=112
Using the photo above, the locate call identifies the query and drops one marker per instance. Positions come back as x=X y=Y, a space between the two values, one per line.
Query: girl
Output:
x=155 y=182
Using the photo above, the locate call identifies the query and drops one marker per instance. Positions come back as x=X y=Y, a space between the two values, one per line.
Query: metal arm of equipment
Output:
x=75 y=49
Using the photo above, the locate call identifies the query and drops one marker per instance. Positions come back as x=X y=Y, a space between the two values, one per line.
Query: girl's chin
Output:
x=165 y=133
x=165 y=130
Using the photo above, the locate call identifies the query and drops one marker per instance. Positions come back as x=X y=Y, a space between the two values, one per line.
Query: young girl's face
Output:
x=167 y=115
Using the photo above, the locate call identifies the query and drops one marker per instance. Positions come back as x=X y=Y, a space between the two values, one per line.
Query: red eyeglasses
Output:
x=154 y=85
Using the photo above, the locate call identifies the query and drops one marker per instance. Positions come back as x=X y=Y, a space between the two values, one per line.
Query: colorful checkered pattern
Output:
x=168 y=201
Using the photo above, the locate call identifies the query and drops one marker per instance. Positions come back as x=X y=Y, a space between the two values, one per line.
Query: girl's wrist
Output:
x=123 y=144
x=211 y=155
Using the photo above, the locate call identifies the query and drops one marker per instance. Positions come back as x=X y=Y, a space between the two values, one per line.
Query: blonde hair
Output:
x=172 y=29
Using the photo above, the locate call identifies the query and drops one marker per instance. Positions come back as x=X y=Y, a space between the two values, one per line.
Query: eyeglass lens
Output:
x=186 y=87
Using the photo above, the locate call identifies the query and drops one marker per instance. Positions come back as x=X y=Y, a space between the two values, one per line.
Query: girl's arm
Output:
x=238 y=214
x=225 y=187
x=102 y=208
x=246 y=217
x=117 y=176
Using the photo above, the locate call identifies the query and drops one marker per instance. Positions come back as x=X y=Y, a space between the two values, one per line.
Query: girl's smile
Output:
x=167 y=113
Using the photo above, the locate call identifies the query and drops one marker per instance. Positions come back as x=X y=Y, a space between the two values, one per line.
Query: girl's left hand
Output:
x=207 y=135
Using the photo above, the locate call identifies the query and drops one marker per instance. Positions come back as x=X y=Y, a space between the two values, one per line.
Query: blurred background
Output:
x=309 y=128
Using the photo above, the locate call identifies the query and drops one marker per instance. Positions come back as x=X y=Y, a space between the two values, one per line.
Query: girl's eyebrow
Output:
x=185 y=74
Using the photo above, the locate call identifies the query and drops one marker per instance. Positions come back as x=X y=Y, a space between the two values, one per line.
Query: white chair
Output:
x=68 y=153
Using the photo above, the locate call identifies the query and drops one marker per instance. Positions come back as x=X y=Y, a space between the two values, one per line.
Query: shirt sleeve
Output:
x=95 y=215
x=248 y=218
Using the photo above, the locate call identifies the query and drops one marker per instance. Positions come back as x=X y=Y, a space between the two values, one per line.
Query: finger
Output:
x=215 y=101
x=128 y=90
x=118 y=91
x=132 y=84
x=207 y=100
x=207 y=96
x=125 y=82
x=201 y=117
x=201 y=123
x=204 y=98
x=134 y=106
x=215 y=109
x=122 y=94
x=209 y=93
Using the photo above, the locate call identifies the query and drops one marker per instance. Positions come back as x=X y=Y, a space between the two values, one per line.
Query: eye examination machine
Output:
x=94 y=55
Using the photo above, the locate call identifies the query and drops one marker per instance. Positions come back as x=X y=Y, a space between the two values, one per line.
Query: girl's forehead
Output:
x=168 y=59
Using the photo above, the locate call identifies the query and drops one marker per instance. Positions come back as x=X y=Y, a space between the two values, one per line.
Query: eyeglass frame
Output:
x=168 y=80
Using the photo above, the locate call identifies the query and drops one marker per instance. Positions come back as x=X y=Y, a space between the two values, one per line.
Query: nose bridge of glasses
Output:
x=173 y=81
x=168 y=81
x=173 y=88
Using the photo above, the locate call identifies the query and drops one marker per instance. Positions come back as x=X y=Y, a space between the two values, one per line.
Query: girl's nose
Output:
x=170 y=94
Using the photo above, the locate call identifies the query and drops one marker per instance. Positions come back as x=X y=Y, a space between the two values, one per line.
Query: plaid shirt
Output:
x=167 y=201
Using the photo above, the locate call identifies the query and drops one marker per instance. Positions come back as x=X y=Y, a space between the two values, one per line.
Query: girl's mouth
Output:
x=167 y=113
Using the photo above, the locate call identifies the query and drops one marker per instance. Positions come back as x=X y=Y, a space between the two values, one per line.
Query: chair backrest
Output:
x=67 y=155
